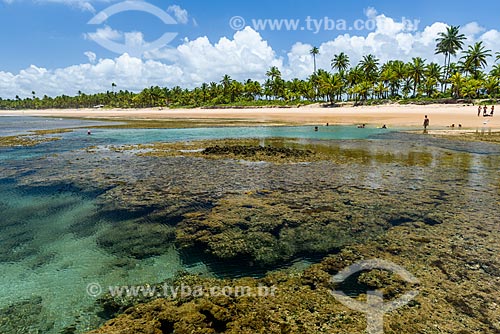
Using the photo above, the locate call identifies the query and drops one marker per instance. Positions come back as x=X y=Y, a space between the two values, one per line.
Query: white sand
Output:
x=392 y=115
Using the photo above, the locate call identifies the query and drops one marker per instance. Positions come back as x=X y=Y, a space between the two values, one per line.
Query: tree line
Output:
x=368 y=81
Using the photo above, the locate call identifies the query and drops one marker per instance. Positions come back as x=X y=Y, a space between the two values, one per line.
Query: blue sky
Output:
x=50 y=38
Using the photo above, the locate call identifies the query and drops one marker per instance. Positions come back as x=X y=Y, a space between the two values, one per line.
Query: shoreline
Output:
x=441 y=116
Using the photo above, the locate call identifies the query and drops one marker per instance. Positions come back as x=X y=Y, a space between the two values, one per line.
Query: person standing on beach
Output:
x=478 y=111
x=426 y=122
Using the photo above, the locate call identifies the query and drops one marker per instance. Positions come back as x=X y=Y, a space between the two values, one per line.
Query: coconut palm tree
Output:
x=274 y=73
x=226 y=84
x=491 y=84
x=449 y=43
x=369 y=64
x=432 y=77
x=314 y=51
x=495 y=71
x=433 y=70
x=340 y=62
x=275 y=83
x=416 y=71
x=475 y=58
x=457 y=82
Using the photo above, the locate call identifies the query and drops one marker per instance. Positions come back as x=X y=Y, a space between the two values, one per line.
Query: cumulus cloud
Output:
x=91 y=56
x=247 y=55
x=180 y=14
x=105 y=33
x=244 y=55
x=126 y=71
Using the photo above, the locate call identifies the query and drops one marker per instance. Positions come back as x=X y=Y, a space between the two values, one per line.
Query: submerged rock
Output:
x=137 y=239
x=25 y=317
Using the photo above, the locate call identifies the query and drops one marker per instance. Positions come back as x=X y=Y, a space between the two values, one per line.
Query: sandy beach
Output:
x=441 y=116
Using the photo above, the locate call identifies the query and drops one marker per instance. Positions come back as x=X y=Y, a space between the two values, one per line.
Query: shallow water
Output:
x=69 y=217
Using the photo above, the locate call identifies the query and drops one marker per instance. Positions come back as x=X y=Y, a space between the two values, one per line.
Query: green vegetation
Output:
x=367 y=82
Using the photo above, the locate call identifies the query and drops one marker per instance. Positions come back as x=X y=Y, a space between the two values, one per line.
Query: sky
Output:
x=55 y=47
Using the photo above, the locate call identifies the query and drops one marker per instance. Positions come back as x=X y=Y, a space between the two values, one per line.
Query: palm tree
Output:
x=495 y=71
x=433 y=70
x=433 y=76
x=449 y=43
x=354 y=76
x=492 y=86
x=330 y=85
x=204 y=88
x=475 y=57
x=273 y=73
x=226 y=83
x=457 y=82
x=275 y=83
x=369 y=64
x=296 y=88
x=416 y=70
x=340 y=62
x=314 y=51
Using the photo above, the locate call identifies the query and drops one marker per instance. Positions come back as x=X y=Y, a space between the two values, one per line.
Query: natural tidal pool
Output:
x=84 y=211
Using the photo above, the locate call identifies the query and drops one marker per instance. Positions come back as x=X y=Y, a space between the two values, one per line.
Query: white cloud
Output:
x=247 y=55
x=470 y=30
x=371 y=12
x=105 y=33
x=244 y=55
x=180 y=14
x=390 y=40
x=91 y=56
x=126 y=71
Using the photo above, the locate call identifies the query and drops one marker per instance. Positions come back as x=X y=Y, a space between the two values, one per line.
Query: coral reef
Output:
x=428 y=206
x=24 y=317
x=25 y=140
x=137 y=239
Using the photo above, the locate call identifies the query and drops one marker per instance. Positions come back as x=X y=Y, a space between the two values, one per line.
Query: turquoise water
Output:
x=14 y=125
x=40 y=255
x=137 y=136
x=49 y=235
x=78 y=138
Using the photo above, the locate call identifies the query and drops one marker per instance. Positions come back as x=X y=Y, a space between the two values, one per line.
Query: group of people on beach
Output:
x=484 y=110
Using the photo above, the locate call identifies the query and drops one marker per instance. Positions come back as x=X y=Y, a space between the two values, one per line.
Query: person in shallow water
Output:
x=426 y=122
x=89 y=133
